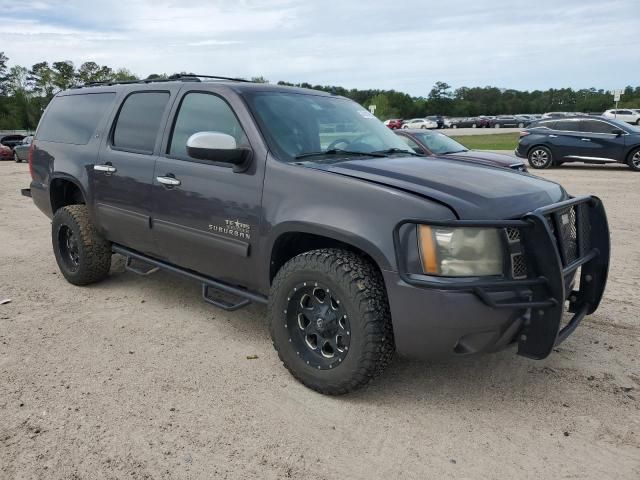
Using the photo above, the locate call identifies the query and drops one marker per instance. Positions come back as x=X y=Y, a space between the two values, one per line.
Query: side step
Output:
x=244 y=297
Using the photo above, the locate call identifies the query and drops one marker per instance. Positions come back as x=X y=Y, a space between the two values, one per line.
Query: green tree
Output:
x=64 y=74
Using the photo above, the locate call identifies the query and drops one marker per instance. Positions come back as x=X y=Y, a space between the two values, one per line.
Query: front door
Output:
x=208 y=220
x=122 y=177
x=599 y=143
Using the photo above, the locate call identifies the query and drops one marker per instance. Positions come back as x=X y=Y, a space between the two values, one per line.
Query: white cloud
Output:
x=381 y=44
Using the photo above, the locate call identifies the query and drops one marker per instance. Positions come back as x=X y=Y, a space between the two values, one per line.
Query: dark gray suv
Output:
x=305 y=201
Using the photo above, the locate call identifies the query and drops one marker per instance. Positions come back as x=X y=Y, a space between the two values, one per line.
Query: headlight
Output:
x=460 y=252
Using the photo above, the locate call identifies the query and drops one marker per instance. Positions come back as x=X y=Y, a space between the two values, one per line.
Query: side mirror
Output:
x=617 y=132
x=218 y=147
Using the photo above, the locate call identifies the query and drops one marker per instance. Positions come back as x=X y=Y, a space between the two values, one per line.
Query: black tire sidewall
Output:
x=94 y=252
x=61 y=219
x=630 y=157
x=280 y=334
x=540 y=147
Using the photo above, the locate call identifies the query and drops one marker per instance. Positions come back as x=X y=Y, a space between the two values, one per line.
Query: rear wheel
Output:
x=520 y=125
x=329 y=320
x=454 y=126
x=474 y=126
x=634 y=160
x=83 y=255
x=540 y=157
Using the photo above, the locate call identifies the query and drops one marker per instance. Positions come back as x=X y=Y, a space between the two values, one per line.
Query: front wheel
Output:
x=83 y=255
x=16 y=158
x=634 y=160
x=497 y=125
x=454 y=126
x=521 y=125
x=329 y=320
x=540 y=157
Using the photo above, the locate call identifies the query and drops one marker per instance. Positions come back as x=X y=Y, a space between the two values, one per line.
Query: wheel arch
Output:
x=65 y=190
x=297 y=238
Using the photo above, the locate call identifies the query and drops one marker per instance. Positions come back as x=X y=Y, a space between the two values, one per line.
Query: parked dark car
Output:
x=11 y=140
x=20 y=151
x=508 y=121
x=358 y=245
x=484 y=121
x=465 y=122
x=438 y=144
x=580 y=139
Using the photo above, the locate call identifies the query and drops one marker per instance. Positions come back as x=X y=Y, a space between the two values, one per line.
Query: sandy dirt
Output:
x=138 y=378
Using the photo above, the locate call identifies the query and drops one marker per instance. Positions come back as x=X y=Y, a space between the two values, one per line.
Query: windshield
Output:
x=297 y=124
x=439 y=143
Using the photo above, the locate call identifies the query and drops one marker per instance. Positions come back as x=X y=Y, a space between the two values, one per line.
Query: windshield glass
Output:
x=297 y=124
x=439 y=143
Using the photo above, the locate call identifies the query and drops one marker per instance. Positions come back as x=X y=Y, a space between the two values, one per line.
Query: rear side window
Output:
x=74 y=118
x=139 y=121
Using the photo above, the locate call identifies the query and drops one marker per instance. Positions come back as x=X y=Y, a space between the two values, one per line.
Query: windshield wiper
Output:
x=338 y=151
x=455 y=151
x=390 y=151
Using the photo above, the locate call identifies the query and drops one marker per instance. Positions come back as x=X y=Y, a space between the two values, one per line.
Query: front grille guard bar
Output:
x=544 y=290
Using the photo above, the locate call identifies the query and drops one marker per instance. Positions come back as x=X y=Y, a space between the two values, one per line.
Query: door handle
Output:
x=105 y=168
x=553 y=136
x=169 y=181
x=585 y=139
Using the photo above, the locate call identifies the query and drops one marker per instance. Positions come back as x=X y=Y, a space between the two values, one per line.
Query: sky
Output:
x=401 y=45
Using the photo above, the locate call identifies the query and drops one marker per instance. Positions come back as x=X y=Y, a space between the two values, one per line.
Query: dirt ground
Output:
x=138 y=378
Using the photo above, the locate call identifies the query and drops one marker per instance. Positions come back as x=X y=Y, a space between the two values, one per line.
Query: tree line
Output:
x=25 y=92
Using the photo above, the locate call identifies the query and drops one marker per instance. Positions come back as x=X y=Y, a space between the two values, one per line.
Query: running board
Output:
x=208 y=283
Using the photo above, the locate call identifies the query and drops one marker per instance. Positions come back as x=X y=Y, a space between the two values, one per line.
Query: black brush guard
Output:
x=551 y=260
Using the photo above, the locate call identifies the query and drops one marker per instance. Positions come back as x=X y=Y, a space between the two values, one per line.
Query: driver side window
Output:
x=203 y=112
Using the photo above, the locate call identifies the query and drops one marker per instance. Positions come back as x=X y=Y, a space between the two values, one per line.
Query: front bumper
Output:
x=434 y=317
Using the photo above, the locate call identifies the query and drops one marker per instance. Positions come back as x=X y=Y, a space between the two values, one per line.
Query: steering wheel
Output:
x=348 y=142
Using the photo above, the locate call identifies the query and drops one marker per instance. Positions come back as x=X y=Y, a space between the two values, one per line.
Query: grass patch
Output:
x=496 y=141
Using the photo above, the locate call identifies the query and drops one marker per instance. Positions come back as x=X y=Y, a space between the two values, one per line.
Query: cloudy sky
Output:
x=365 y=44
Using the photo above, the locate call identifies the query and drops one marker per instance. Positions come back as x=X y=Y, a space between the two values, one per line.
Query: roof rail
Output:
x=177 y=78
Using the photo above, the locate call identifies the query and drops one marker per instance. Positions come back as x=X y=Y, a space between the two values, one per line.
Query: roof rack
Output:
x=177 y=78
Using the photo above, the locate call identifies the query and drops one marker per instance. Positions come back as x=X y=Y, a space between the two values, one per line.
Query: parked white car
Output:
x=625 y=115
x=423 y=123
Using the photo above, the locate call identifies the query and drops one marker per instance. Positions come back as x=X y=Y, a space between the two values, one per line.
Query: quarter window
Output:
x=74 y=118
x=139 y=121
x=203 y=112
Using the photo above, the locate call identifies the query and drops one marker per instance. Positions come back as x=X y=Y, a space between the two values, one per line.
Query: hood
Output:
x=487 y=158
x=473 y=191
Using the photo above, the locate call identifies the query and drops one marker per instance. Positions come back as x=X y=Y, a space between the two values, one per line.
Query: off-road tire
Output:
x=359 y=286
x=633 y=160
x=93 y=251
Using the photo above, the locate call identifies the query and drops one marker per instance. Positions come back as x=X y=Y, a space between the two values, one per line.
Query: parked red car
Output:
x=6 y=153
x=393 y=123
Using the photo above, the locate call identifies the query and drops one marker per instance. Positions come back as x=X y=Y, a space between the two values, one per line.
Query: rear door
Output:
x=598 y=143
x=566 y=138
x=122 y=177
x=209 y=221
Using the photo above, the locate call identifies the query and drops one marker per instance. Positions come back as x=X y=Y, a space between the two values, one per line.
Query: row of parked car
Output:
x=15 y=147
x=629 y=115
x=435 y=122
